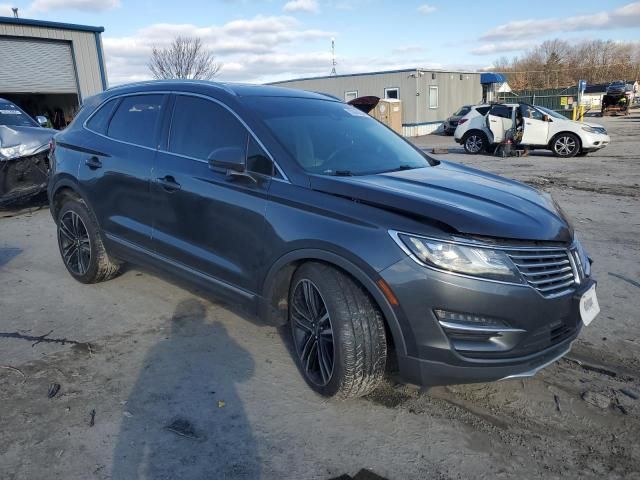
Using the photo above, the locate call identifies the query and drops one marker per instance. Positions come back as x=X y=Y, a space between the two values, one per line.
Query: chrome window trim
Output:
x=395 y=235
x=168 y=92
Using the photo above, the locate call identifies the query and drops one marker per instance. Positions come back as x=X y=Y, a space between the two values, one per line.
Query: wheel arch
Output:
x=274 y=298
x=63 y=189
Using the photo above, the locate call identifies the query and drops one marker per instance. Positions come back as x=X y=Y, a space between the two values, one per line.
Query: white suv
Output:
x=530 y=126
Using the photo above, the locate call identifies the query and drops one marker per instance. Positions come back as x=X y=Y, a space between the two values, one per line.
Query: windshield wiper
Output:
x=343 y=173
x=400 y=168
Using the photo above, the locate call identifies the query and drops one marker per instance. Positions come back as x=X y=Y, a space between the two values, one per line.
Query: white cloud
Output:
x=426 y=9
x=83 y=5
x=501 y=47
x=5 y=10
x=627 y=16
x=310 y=6
x=405 y=49
x=250 y=49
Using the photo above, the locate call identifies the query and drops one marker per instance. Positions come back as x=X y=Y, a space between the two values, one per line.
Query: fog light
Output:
x=468 y=319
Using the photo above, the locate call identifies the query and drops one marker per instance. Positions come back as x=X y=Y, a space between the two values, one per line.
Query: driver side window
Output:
x=530 y=112
x=199 y=126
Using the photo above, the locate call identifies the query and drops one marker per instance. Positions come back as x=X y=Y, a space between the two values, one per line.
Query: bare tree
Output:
x=185 y=58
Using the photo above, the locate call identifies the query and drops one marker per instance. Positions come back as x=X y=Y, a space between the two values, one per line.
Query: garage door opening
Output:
x=59 y=108
x=39 y=76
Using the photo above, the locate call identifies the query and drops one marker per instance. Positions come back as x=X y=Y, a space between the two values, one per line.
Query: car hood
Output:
x=469 y=201
x=29 y=140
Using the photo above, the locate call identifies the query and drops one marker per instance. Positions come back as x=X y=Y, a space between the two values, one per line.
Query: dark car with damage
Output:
x=24 y=147
x=318 y=217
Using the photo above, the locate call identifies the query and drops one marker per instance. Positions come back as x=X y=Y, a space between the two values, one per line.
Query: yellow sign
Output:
x=563 y=100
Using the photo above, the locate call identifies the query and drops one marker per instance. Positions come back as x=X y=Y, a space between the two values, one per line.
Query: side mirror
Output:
x=546 y=118
x=42 y=120
x=231 y=159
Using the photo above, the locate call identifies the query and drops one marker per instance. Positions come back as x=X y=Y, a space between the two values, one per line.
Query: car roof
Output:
x=232 y=89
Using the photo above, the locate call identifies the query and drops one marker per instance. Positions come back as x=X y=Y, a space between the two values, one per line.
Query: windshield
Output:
x=331 y=138
x=12 y=116
x=551 y=113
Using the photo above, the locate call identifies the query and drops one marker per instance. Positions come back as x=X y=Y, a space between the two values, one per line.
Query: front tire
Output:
x=81 y=246
x=338 y=332
x=475 y=142
x=566 y=145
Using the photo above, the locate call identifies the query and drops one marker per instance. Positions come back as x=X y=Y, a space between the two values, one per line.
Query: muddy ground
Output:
x=158 y=380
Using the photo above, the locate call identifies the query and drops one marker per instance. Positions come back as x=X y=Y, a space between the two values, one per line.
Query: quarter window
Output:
x=136 y=120
x=433 y=97
x=257 y=160
x=200 y=126
x=99 y=122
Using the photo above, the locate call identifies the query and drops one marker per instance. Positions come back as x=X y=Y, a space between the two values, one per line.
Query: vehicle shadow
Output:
x=184 y=417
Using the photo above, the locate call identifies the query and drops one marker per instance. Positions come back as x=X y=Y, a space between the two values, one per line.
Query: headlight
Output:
x=584 y=258
x=475 y=261
x=589 y=129
x=12 y=152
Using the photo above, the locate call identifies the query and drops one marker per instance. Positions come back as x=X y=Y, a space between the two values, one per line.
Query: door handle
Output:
x=169 y=183
x=93 y=163
x=494 y=121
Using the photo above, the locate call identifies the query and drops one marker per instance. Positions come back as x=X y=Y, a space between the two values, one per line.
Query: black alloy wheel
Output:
x=75 y=244
x=312 y=333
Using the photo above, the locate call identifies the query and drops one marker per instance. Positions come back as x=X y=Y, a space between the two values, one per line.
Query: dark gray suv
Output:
x=317 y=216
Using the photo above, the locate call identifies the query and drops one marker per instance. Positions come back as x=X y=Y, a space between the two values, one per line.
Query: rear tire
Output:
x=338 y=332
x=475 y=142
x=81 y=247
x=565 y=145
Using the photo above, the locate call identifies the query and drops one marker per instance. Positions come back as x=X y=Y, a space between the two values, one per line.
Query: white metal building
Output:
x=428 y=96
x=49 y=67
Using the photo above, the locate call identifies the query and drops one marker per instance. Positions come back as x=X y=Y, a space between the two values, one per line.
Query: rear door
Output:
x=205 y=220
x=499 y=121
x=116 y=171
x=536 y=128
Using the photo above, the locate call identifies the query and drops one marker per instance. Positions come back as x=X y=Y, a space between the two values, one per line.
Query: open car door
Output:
x=499 y=121
x=536 y=126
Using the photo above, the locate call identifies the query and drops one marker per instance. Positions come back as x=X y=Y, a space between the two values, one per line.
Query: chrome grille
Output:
x=550 y=272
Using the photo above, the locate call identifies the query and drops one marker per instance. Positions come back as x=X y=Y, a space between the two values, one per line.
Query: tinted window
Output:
x=529 y=112
x=11 y=115
x=501 y=111
x=100 y=120
x=199 y=127
x=332 y=138
x=482 y=110
x=257 y=159
x=462 y=112
x=136 y=120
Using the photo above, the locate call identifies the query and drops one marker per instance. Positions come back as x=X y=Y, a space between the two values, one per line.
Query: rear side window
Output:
x=136 y=120
x=199 y=126
x=100 y=120
x=501 y=111
x=482 y=110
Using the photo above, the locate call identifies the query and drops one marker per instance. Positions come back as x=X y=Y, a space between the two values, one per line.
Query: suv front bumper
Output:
x=594 y=141
x=432 y=356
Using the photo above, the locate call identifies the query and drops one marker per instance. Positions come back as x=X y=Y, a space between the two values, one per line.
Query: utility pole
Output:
x=333 y=56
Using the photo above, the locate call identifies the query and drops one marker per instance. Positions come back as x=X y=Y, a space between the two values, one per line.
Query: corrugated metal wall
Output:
x=453 y=92
x=83 y=45
x=22 y=61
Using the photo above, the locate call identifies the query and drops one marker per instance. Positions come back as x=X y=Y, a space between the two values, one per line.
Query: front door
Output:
x=205 y=219
x=536 y=128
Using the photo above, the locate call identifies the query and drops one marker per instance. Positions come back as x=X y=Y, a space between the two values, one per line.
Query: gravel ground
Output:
x=158 y=380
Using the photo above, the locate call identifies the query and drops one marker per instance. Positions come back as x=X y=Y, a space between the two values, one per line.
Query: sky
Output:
x=269 y=40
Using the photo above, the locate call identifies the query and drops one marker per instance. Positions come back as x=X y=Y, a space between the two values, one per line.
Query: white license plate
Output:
x=589 y=307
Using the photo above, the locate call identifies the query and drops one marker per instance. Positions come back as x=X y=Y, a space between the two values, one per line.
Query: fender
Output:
x=367 y=279
x=65 y=182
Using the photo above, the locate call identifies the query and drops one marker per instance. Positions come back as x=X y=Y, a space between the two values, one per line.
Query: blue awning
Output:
x=492 y=78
